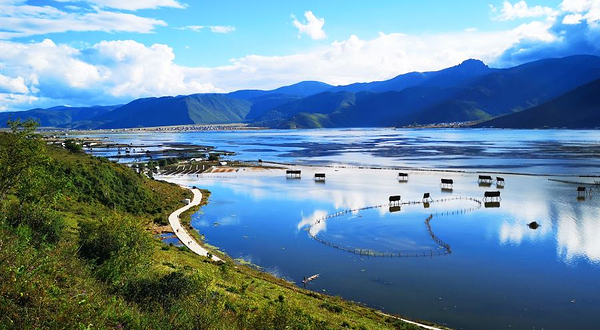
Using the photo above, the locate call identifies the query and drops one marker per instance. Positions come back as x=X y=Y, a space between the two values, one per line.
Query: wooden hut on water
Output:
x=485 y=179
x=447 y=184
x=293 y=174
x=320 y=177
x=493 y=196
x=427 y=198
x=395 y=200
x=581 y=192
x=499 y=182
x=403 y=177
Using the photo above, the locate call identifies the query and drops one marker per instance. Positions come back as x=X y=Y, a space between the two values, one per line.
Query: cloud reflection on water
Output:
x=575 y=226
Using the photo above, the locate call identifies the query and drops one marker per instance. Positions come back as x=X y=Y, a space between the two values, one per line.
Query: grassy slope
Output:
x=50 y=286
x=579 y=108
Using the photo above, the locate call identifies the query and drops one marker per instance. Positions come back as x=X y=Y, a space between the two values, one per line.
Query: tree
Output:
x=20 y=151
x=73 y=146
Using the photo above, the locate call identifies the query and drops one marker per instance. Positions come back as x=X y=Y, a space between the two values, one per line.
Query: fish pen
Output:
x=443 y=247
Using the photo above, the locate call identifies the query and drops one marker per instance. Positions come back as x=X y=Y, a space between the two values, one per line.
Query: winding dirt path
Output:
x=182 y=234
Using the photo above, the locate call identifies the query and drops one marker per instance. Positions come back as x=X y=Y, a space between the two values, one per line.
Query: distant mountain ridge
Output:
x=470 y=91
x=579 y=108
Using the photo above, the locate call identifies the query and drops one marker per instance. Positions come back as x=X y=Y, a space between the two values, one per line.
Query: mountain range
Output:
x=565 y=89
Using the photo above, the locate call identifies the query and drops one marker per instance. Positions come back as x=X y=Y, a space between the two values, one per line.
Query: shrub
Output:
x=117 y=246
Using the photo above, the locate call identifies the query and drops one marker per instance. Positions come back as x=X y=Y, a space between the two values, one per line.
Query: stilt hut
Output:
x=427 y=198
x=293 y=174
x=395 y=200
x=499 y=182
x=485 y=179
x=447 y=184
x=403 y=177
x=493 y=196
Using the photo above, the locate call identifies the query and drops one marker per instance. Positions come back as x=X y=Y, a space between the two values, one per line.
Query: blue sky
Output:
x=112 y=51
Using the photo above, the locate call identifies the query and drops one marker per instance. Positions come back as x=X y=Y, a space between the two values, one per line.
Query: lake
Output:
x=500 y=274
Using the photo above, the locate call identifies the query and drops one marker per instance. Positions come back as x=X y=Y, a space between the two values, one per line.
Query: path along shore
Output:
x=182 y=234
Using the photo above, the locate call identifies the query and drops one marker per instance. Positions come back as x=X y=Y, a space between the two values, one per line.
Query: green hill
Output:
x=501 y=91
x=57 y=116
x=179 y=110
x=579 y=109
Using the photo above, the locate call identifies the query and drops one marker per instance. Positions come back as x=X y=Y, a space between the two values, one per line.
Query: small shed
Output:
x=402 y=177
x=293 y=174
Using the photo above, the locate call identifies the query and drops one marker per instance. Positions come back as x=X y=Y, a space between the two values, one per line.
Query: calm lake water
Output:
x=500 y=275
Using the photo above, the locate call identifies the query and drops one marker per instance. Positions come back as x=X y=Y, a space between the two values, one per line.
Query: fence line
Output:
x=445 y=248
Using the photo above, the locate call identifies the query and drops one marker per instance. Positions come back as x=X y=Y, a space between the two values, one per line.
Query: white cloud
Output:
x=522 y=10
x=313 y=26
x=581 y=9
x=13 y=85
x=536 y=30
x=108 y=72
x=572 y=19
x=18 y=20
x=131 y=4
x=222 y=29
x=195 y=28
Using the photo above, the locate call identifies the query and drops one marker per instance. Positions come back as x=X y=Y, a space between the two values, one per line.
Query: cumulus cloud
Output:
x=131 y=4
x=580 y=10
x=107 y=72
x=575 y=31
x=313 y=26
x=13 y=85
x=522 y=10
x=222 y=28
x=20 y=20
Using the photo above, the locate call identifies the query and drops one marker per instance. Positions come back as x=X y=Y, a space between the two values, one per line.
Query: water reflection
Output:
x=577 y=234
x=315 y=225
x=272 y=214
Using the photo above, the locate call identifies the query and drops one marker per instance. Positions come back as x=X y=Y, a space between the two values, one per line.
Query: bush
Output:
x=45 y=224
x=118 y=247
x=331 y=307
x=164 y=291
x=73 y=146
